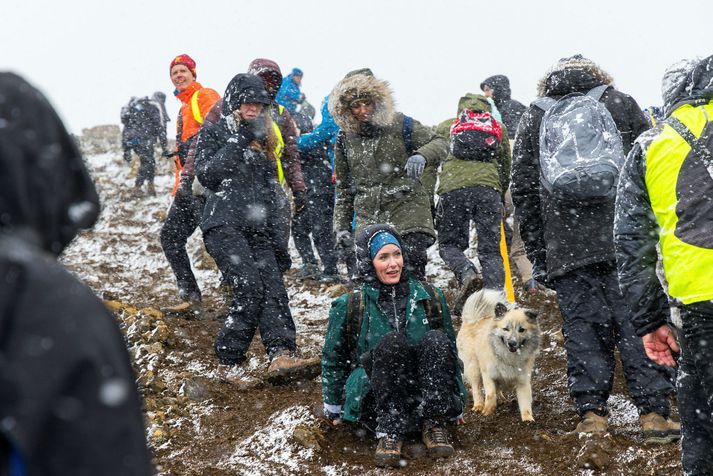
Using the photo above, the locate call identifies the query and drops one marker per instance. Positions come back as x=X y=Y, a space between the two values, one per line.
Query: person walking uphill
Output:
x=379 y=158
x=389 y=360
x=567 y=229
x=235 y=162
x=290 y=95
x=185 y=212
x=69 y=403
x=472 y=182
x=498 y=88
x=666 y=198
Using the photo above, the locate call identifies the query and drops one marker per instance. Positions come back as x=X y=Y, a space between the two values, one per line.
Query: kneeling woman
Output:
x=389 y=359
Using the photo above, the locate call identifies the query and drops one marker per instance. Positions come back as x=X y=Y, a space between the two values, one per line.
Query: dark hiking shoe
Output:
x=388 y=451
x=151 y=190
x=592 y=423
x=436 y=440
x=309 y=271
x=285 y=368
x=531 y=286
x=472 y=282
x=658 y=430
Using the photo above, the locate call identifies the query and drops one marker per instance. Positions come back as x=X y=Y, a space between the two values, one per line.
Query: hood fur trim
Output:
x=361 y=86
x=574 y=62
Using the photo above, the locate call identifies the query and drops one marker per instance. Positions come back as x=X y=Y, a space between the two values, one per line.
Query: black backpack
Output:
x=353 y=319
x=476 y=136
x=142 y=115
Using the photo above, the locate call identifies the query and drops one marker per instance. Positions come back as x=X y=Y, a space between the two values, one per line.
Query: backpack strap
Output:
x=195 y=108
x=598 y=92
x=408 y=132
x=544 y=103
x=434 y=313
x=698 y=148
x=354 y=315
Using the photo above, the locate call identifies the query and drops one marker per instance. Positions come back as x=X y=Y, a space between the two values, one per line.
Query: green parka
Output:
x=456 y=174
x=342 y=384
x=370 y=161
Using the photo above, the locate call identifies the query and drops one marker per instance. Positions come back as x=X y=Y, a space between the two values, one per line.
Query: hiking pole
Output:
x=509 y=291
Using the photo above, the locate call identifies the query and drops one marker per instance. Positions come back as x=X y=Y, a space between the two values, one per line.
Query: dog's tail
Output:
x=481 y=304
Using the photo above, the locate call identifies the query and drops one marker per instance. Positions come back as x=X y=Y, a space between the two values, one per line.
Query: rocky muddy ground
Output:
x=205 y=419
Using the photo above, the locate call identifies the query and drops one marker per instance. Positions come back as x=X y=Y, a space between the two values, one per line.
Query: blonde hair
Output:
x=267 y=145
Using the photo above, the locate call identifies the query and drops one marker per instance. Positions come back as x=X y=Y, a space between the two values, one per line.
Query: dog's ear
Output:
x=500 y=310
x=531 y=315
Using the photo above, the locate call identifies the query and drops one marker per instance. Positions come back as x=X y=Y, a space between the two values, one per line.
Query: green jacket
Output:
x=457 y=174
x=343 y=386
x=372 y=181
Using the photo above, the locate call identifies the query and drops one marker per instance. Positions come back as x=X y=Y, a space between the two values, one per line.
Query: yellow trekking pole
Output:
x=509 y=291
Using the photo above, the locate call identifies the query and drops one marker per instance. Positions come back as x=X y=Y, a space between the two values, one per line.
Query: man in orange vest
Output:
x=186 y=211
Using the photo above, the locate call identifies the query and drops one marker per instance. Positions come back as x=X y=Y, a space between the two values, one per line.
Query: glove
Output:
x=415 y=165
x=300 y=199
x=345 y=242
x=257 y=127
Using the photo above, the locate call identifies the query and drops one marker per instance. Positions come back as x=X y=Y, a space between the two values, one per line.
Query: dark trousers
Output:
x=147 y=166
x=595 y=324
x=416 y=245
x=456 y=209
x=695 y=388
x=405 y=378
x=316 y=218
x=183 y=218
x=248 y=263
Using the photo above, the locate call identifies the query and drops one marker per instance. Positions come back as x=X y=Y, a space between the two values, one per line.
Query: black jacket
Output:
x=68 y=399
x=510 y=109
x=558 y=237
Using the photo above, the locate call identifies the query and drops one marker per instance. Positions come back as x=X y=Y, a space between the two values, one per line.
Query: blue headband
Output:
x=380 y=240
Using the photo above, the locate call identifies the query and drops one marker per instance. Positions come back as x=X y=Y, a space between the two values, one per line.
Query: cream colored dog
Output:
x=498 y=347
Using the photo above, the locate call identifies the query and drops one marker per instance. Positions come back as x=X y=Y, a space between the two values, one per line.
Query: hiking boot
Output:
x=472 y=282
x=187 y=309
x=309 y=271
x=151 y=189
x=658 y=430
x=436 y=440
x=388 y=451
x=592 y=423
x=285 y=368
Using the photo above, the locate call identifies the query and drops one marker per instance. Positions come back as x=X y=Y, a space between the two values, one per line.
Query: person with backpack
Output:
x=472 y=181
x=69 y=402
x=379 y=158
x=665 y=199
x=143 y=126
x=187 y=208
x=497 y=88
x=235 y=161
x=389 y=360
x=569 y=148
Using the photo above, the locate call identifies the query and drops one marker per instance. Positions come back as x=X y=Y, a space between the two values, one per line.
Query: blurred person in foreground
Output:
x=68 y=403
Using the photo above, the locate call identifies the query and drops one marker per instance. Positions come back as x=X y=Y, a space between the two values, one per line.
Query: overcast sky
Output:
x=90 y=57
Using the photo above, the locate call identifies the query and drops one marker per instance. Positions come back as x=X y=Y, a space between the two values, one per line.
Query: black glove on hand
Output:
x=300 y=199
x=415 y=165
x=345 y=242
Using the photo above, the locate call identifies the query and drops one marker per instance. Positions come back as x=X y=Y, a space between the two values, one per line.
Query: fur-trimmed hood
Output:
x=573 y=74
x=361 y=85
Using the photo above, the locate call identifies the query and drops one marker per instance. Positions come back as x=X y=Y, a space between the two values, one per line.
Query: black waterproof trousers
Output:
x=316 y=219
x=183 y=218
x=417 y=245
x=412 y=383
x=456 y=209
x=248 y=263
x=695 y=388
x=147 y=165
x=595 y=324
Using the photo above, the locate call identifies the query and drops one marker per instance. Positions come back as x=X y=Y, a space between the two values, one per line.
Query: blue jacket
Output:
x=289 y=94
x=326 y=131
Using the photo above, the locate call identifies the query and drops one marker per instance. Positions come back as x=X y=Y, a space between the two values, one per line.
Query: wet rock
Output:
x=595 y=454
x=195 y=389
x=114 y=306
x=160 y=334
x=152 y=313
x=337 y=290
x=309 y=437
